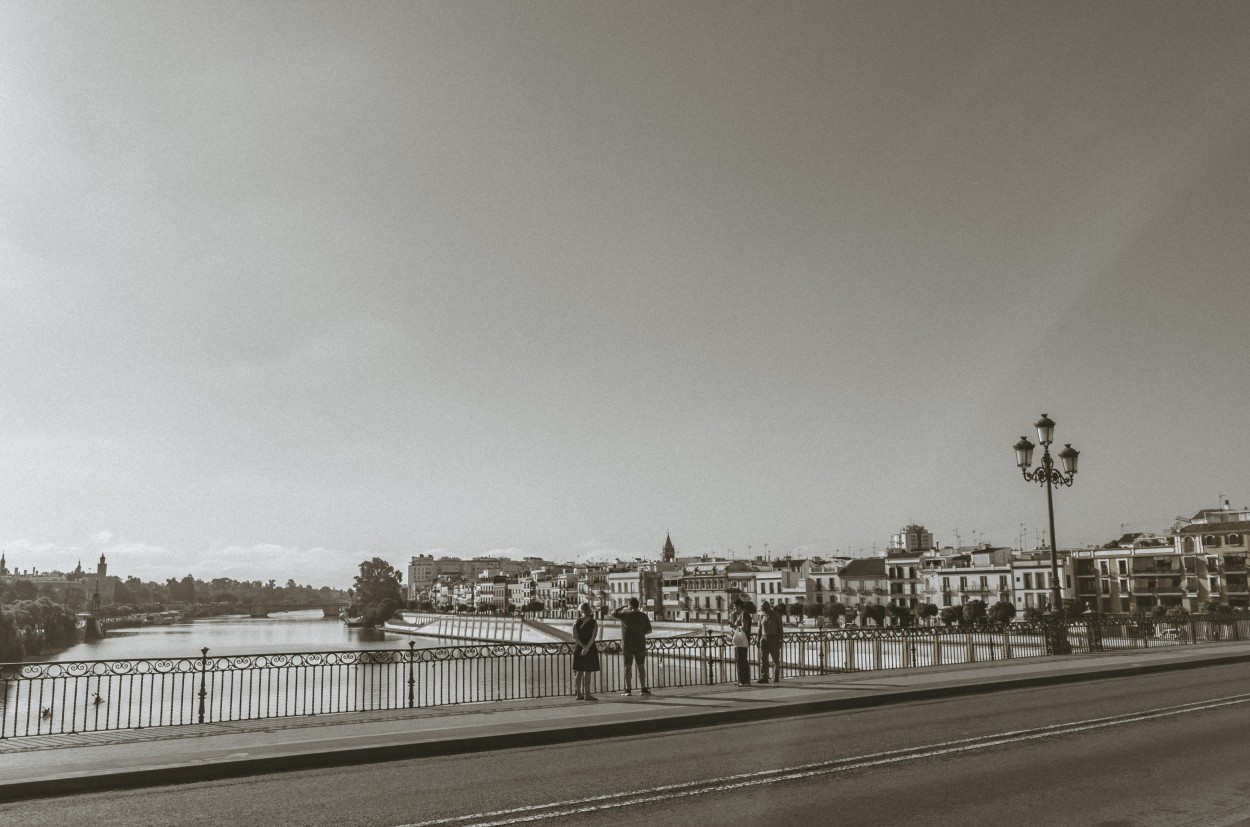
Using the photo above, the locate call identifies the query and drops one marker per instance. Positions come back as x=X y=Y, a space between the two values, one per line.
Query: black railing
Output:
x=89 y=696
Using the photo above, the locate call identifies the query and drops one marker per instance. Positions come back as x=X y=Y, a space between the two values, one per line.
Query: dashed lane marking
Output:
x=572 y=807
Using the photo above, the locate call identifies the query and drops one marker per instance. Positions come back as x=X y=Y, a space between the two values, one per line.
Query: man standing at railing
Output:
x=771 y=630
x=635 y=626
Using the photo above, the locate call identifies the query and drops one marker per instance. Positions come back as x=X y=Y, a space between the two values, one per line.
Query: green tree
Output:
x=380 y=613
x=974 y=613
x=927 y=610
x=183 y=591
x=876 y=613
x=950 y=615
x=836 y=612
x=1002 y=612
x=902 y=615
x=12 y=646
x=378 y=581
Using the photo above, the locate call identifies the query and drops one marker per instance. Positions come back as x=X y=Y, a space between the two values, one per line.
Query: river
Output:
x=301 y=664
x=305 y=631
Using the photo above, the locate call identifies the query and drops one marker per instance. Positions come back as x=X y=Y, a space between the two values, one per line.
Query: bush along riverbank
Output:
x=29 y=627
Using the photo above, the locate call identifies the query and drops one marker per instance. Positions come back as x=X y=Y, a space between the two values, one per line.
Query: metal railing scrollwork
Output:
x=90 y=696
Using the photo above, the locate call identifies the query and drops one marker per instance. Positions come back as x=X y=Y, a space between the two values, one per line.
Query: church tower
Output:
x=4 y=566
x=669 y=554
x=102 y=569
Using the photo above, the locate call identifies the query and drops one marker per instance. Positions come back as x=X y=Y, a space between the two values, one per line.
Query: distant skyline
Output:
x=287 y=286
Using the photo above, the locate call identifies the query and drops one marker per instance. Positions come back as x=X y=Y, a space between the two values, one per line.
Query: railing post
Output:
x=937 y=647
x=412 y=678
x=707 y=651
x=203 y=680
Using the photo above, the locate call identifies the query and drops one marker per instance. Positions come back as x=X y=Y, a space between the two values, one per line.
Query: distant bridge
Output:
x=263 y=609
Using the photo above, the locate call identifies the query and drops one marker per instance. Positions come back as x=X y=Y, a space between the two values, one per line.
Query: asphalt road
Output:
x=1164 y=749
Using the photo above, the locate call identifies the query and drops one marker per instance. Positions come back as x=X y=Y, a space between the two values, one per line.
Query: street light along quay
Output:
x=1048 y=475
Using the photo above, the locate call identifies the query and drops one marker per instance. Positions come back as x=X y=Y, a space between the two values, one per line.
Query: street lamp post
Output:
x=1049 y=476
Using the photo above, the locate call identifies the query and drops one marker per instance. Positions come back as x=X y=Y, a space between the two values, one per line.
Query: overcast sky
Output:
x=285 y=286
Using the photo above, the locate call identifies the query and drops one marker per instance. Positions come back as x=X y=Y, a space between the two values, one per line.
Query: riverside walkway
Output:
x=50 y=765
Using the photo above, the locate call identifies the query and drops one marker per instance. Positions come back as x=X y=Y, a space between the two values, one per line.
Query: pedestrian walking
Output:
x=771 y=630
x=635 y=626
x=585 y=655
x=741 y=642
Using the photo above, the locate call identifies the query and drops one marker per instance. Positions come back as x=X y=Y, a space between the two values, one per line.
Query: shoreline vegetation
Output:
x=31 y=627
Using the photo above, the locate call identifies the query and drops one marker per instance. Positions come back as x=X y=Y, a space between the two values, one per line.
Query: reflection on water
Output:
x=306 y=631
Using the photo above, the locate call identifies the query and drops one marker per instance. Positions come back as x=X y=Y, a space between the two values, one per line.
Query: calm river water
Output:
x=236 y=635
x=305 y=664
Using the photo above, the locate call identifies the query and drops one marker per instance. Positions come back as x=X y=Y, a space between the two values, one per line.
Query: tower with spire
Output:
x=669 y=554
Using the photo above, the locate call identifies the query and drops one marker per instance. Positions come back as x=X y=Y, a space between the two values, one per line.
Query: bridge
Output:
x=263 y=609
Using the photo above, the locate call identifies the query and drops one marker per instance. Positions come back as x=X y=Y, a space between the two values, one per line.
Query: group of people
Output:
x=635 y=626
x=742 y=621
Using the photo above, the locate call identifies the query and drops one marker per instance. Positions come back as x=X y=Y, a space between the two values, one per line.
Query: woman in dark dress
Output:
x=585 y=655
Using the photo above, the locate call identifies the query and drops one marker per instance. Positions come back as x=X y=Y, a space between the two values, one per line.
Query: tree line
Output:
x=30 y=626
x=138 y=593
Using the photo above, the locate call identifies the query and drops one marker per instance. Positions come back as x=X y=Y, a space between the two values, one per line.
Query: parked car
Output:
x=1171 y=634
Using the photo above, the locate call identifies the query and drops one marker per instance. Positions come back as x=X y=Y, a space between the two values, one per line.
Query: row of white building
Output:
x=1202 y=561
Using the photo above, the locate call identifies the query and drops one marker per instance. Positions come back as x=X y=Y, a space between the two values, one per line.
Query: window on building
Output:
x=1104 y=567
x=1106 y=587
x=1121 y=566
x=1211 y=540
x=1233 y=540
x=1028 y=580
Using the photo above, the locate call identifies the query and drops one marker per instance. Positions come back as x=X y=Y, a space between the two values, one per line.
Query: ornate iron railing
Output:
x=87 y=696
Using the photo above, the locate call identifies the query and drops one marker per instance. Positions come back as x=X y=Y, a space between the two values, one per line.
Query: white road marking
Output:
x=562 y=809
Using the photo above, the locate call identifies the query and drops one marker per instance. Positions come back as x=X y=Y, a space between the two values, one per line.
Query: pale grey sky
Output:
x=286 y=285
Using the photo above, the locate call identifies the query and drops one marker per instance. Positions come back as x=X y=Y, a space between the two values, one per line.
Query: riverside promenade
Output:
x=51 y=765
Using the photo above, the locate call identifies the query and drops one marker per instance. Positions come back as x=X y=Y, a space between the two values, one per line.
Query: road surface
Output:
x=1165 y=749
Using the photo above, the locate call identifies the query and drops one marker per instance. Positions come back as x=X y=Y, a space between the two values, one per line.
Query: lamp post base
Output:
x=1056 y=633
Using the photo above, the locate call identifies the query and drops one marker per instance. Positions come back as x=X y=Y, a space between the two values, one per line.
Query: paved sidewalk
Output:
x=64 y=764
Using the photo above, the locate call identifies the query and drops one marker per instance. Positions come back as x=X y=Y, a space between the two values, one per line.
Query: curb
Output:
x=243 y=767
